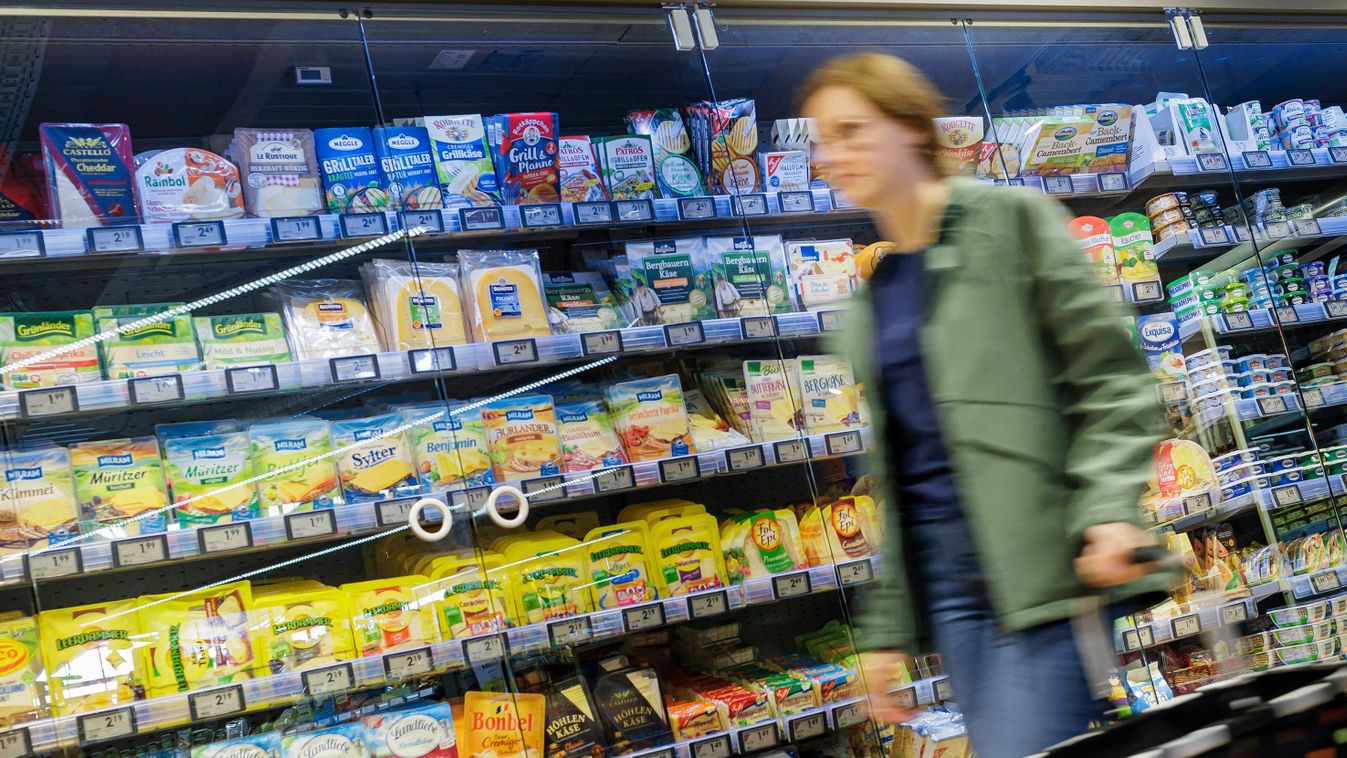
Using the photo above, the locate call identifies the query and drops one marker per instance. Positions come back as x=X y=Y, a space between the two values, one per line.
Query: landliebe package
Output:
x=279 y=170
x=579 y=171
x=423 y=731
x=525 y=147
x=409 y=167
x=188 y=184
x=352 y=180
x=463 y=160
x=90 y=174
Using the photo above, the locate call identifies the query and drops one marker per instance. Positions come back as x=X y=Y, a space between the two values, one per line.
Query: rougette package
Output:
x=376 y=462
x=352 y=180
x=292 y=459
x=90 y=174
x=673 y=282
x=525 y=146
x=117 y=480
x=463 y=162
x=408 y=165
x=30 y=335
x=749 y=275
x=37 y=499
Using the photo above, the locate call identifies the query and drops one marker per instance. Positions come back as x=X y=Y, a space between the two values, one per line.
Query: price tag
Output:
x=225 y=701
x=545 y=489
x=511 y=352
x=1057 y=185
x=225 y=538
x=1300 y=157
x=1234 y=613
x=755 y=738
x=355 y=368
x=19 y=744
x=1336 y=308
x=1314 y=397
x=791 y=451
x=696 y=208
x=943 y=690
x=481 y=219
x=245 y=379
x=1270 y=406
x=601 y=343
x=708 y=604
x=1307 y=227
x=1241 y=233
x=1211 y=161
x=1325 y=581
x=843 y=443
x=1146 y=635
x=757 y=327
x=471 y=499
x=744 y=458
x=1198 y=503
x=1112 y=181
x=1015 y=181
x=641 y=617
x=799 y=201
x=840 y=201
x=22 y=245
x=1214 y=235
x=1173 y=392
x=538 y=215
x=1185 y=626
x=855 y=572
x=114 y=239
x=1337 y=154
x=140 y=551
x=54 y=564
x=1146 y=292
x=1257 y=159
x=148 y=390
x=750 y=205
x=54 y=401
x=666 y=753
x=712 y=747
x=679 y=469
x=907 y=697
x=303 y=526
x=296 y=229
x=848 y=715
x=107 y=725
x=634 y=210
x=791 y=585
x=807 y=727
x=1237 y=322
x=329 y=680
x=1286 y=314
x=1287 y=495
x=572 y=631
x=431 y=360
x=393 y=512
x=489 y=647
x=686 y=333
x=430 y=220
x=614 y=479
x=829 y=321
x=1130 y=641
x=408 y=663
x=199 y=234
x=1277 y=229
x=593 y=213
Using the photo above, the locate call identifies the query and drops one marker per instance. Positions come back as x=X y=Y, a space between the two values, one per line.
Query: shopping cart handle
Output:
x=1150 y=554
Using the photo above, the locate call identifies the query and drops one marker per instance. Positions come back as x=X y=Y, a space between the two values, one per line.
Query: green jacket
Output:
x=1048 y=411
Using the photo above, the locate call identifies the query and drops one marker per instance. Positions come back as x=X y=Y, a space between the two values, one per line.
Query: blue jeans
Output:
x=1020 y=692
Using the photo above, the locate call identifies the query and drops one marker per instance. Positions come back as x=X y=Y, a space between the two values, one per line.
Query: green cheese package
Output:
x=749 y=275
x=673 y=282
x=210 y=478
x=149 y=341
x=676 y=170
x=293 y=458
x=580 y=301
x=245 y=339
x=33 y=337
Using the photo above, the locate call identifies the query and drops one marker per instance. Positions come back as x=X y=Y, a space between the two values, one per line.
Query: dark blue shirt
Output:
x=919 y=464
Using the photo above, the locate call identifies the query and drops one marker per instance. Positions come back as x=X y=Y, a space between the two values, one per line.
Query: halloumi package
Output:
x=117 y=480
x=416 y=305
x=166 y=345
x=376 y=458
x=673 y=280
x=37 y=499
x=749 y=275
x=279 y=170
x=90 y=174
x=92 y=656
x=292 y=458
x=326 y=318
x=448 y=444
x=521 y=437
x=243 y=339
x=650 y=417
x=505 y=294
x=823 y=272
x=25 y=336
x=201 y=639
x=209 y=478
x=463 y=162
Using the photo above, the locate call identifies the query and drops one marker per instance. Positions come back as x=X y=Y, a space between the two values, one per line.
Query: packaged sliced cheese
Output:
x=579 y=301
x=822 y=272
x=650 y=417
x=1096 y=240
x=572 y=721
x=470 y=596
x=326 y=318
x=161 y=346
x=92 y=656
x=210 y=478
x=260 y=745
x=673 y=281
x=245 y=339
x=727 y=392
x=188 y=184
x=448 y=444
x=503 y=724
x=841 y=529
x=202 y=639
x=521 y=437
x=587 y=437
x=773 y=399
x=37 y=499
x=761 y=543
x=374 y=461
x=709 y=430
x=293 y=458
x=390 y=614
x=23 y=694
x=279 y=170
x=687 y=551
x=828 y=395
x=749 y=275
x=120 y=486
x=34 y=336
x=548 y=578
x=310 y=626
x=619 y=563
x=416 y=305
x=340 y=741
x=504 y=290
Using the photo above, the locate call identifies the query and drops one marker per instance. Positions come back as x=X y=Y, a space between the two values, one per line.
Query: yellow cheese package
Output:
x=292 y=459
x=503 y=725
x=416 y=305
x=575 y=525
x=618 y=562
x=549 y=579
x=22 y=680
x=448 y=444
x=709 y=430
x=91 y=655
x=827 y=394
x=587 y=437
x=374 y=458
x=149 y=342
x=823 y=272
x=672 y=280
x=650 y=417
x=655 y=510
x=841 y=529
x=244 y=339
x=687 y=549
x=119 y=484
x=26 y=337
x=504 y=293
x=1058 y=145
x=521 y=437
x=761 y=543
x=390 y=614
x=37 y=499
x=773 y=399
x=470 y=597
x=202 y=639
x=326 y=318
x=210 y=477
x=310 y=626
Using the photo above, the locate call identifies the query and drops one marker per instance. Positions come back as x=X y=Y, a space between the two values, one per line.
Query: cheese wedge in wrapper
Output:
x=828 y=394
x=416 y=305
x=773 y=399
x=673 y=280
x=90 y=174
x=506 y=300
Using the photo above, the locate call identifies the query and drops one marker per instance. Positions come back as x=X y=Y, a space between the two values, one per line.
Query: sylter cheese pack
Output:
x=374 y=459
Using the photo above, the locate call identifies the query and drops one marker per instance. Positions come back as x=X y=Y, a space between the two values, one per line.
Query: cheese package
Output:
x=504 y=293
x=675 y=167
x=709 y=430
x=785 y=171
x=161 y=346
x=243 y=339
x=33 y=336
x=448 y=445
x=503 y=724
x=631 y=710
x=691 y=719
x=1056 y=146
x=292 y=459
x=618 y=563
x=572 y=726
x=687 y=549
x=827 y=396
x=1108 y=144
x=408 y=166
x=521 y=437
x=650 y=417
x=90 y=174
x=326 y=318
x=310 y=626
x=673 y=281
x=525 y=154
x=579 y=171
x=575 y=525
x=23 y=192
x=840 y=530
x=659 y=510
x=470 y=596
x=628 y=166
x=463 y=160
x=37 y=499
x=210 y=478
x=1096 y=240
x=260 y=745
x=774 y=399
x=761 y=543
x=587 y=437
x=119 y=484
x=416 y=305
x=91 y=655
x=1134 y=248
x=749 y=275
x=579 y=301
x=425 y=730
x=390 y=614
x=23 y=694
x=352 y=180
x=201 y=639
x=958 y=143
x=279 y=170
x=340 y=741
x=822 y=272
x=374 y=461
x=188 y=184
x=725 y=389
x=548 y=578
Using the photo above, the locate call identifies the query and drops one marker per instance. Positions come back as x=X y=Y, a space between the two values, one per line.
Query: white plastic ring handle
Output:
x=501 y=521
x=414 y=519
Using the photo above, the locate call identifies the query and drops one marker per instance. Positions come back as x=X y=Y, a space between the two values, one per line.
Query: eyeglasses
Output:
x=845 y=133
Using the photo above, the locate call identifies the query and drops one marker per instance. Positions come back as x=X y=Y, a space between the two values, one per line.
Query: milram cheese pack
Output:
x=326 y=318
x=37 y=499
x=310 y=626
x=90 y=174
x=119 y=484
x=210 y=478
x=463 y=162
x=1096 y=240
x=628 y=166
x=675 y=166
x=188 y=184
x=650 y=417
x=416 y=305
x=36 y=337
x=280 y=172
x=749 y=275
x=260 y=745
x=340 y=741
x=293 y=459
x=422 y=731
x=673 y=280
x=201 y=639
x=409 y=167
x=91 y=655
x=22 y=687
x=525 y=154
x=243 y=339
x=579 y=171
x=352 y=179
x=505 y=294
x=521 y=437
x=587 y=437
x=579 y=301
x=619 y=563
x=828 y=397
x=374 y=461
x=448 y=444
x=391 y=614
x=773 y=399
x=823 y=272
x=149 y=341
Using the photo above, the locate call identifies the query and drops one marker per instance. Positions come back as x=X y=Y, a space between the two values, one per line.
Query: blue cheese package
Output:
x=352 y=181
x=409 y=167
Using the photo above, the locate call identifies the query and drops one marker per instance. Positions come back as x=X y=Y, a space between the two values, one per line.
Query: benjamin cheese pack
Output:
x=90 y=174
x=773 y=399
x=310 y=626
x=201 y=639
x=374 y=461
x=188 y=183
x=209 y=478
x=828 y=397
x=352 y=179
x=416 y=305
x=24 y=336
x=326 y=318
x=91 y=655
x=580 y=301
x=463 y=160
x=503 y=724
x=22 y=692
x=687 y=553
x=823 y=272
x=244 y=339
x=292 y=458
x=521 y=437
x=162 y=346
x=749 y=275
x=579 y=171
x=408 y=166
x=588 y=440
x=390 y=614
x=650 y=417
x=505 y=294
x=673 y=280
x=628 y=166
x=37 y=499
x=525 y=147
x=675 y=166
x=425 y=730
x=448 y=444
x=619 y=563
x=279 y=170
x=117 y=480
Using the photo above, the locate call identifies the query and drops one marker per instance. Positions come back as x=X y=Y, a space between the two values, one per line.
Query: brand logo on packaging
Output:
x=22 y=474
x=44 y=328
x=367 y=434
x=1157 y=331
x=413 y=736
x=524 y=415
x=1106 y=118
x=1065 y=133
x=13 y=654
x=208 y=453
x=447 y=426
x=403 y=142
x=345 y=143
x=291 y=445
x=574 y=418
x=240 y=326
x=242 y=751
x=327 y=744
x=664 y=247
x=121 y=459
x=650 y=397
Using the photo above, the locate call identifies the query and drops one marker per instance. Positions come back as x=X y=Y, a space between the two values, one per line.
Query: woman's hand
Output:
x=881 y=668
x=1106 y=560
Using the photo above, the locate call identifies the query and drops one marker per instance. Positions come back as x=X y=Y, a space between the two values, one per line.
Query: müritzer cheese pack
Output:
x=210 y=478
x=90 y=174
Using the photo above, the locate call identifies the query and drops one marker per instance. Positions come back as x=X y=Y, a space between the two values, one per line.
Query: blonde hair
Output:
x=893 y=85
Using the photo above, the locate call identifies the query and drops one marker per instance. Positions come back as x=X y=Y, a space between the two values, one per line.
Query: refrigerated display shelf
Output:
x=1252 y=409
x=1216 y=616
x=1259 y=320
x=1197 y=512
x=1201 y=245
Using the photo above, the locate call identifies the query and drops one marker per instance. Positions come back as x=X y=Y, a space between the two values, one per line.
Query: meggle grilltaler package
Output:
x=30 y=335
x=37 y=499
x=749 y=275
x=291 y=456
x=673 y=281
x=409 y=167
x=119 y=479
x=90 y=173
x=352 y=179
x=463 y=160
x=525 y=156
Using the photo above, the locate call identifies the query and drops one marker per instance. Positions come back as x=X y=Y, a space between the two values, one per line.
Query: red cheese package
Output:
x=525 y=147
x=23 y=191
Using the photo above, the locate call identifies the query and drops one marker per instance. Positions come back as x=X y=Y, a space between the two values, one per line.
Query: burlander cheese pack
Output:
x=292 y=458
x=90 y=173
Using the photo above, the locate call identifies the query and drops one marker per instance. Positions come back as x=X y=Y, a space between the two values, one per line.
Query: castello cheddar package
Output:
x=91 y=655
x=687 y=551
x=390 y=614
x=618 y=563
x=470 y=595
x=202 y=639
x=291 y=457
x=90 y=174
x=310 y=626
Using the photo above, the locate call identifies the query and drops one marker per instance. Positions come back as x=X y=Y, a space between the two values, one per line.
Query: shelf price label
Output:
x=943 y=690
x=1307 y=227
x=684 y=334
x=791 y=451
x=54 y=564
x=1146 y=292
x=593 y=213
x=471 y=499
x=481 y=219
x=843 y=443
x=245 y=379
x=907 y=697
x=1185 y=626
x=1286 y=314
x=18 y=743
x=572 y=631
x=1199 y=503
x=696 y=208
x=1300 y=157
x=744 y=458
x=225 y=538
x=712 y=747
x=1287 y=495
x=1257 y=159
x=140 y=551
x=329 y=680
x=634 y=210
x=709 y=604
x=354 y=368
x=679 y=469
x=1270 y=406
x=540 y=215
x=150 y=390
x=393 y=512
x=484 y=648
x=638 y=618
x=54 y=401
x=1336 y=308
x=849 y=715
x=199 y=234
x=431 y=220
x=22 y=245
x=106 y=725
x=1130 y=641
x=225 y=701
x=1277 y=229
x=1211 y=161
x=1213 y=235
x=1058 y=185
x=601 y=343
x=755 y=738
x=511 y=352
x=749 y=205
x=807 y=727
x=545 y=489
x=855 y=572
x=1314 y=397
x=791 y=585
x=408 y=663
x=1173 y=392
x=1237 y=322
x=829 y=321
x=1112 y=181
x=1337 y=154
x=296 y=229
x=797 y=201
x=614 y=479
x=840 y=201
x=1325 y=581
x=1146 y=635
x=303 y=526
x=114 y=239
x=757 y=327
x=431 y=360
x=1235 y=613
